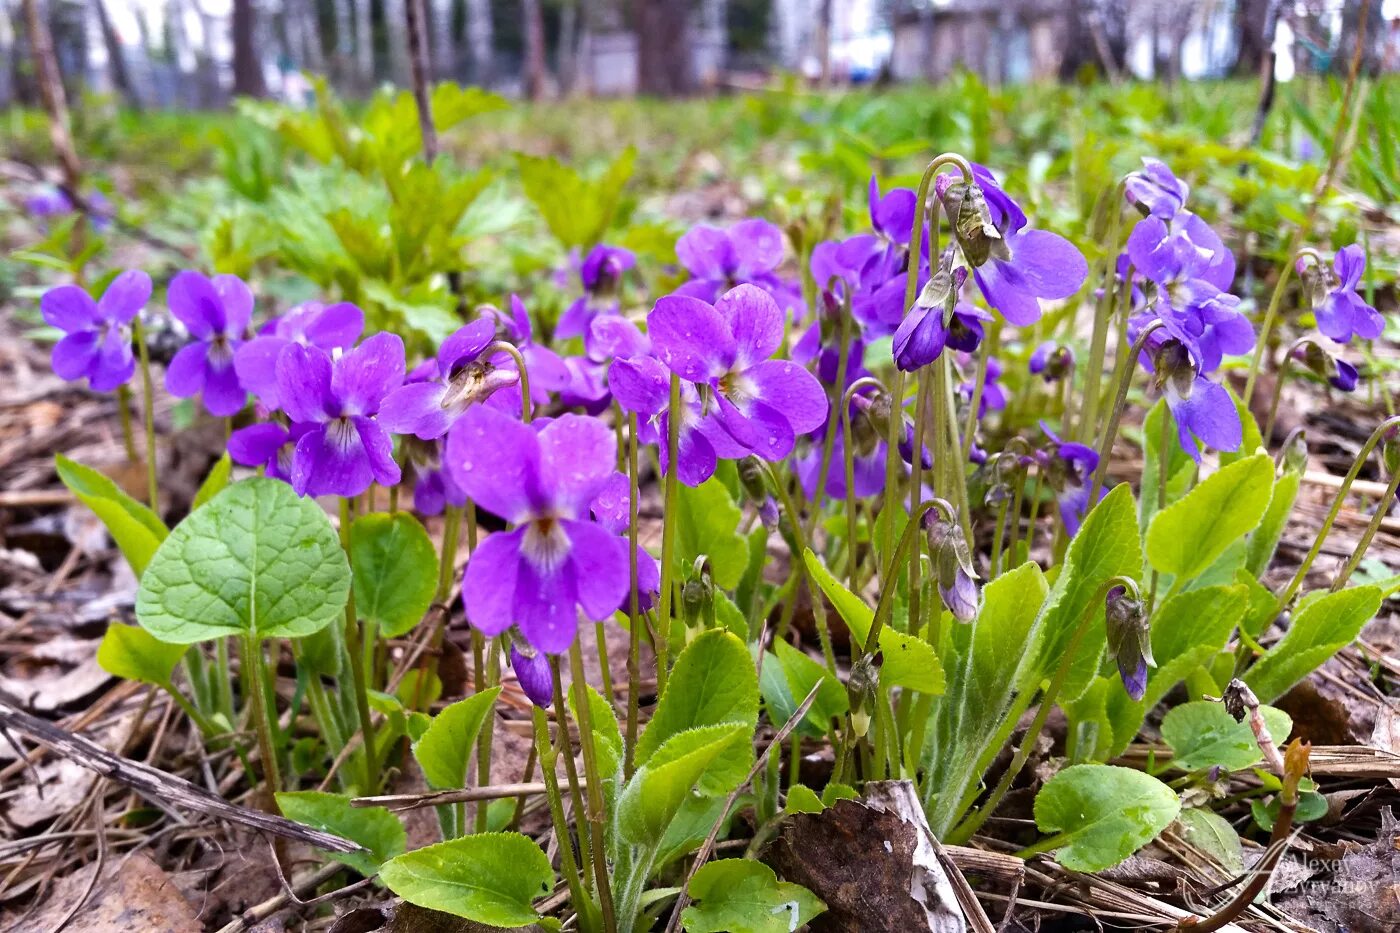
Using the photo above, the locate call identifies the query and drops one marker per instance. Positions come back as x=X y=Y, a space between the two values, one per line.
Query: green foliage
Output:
x=1102 y=814
x=132 y=653
x=377 y=830
x=1187 y=536
x=1320 y=629
x=134 y=527
x=448 y=743
x=654 y=794
x=257 y=560
x=709 y=527
x=800 y=674
x=395 y=571
x=577 y=210
x=1180 y=467
x=1213 y=834
x=491 y=878
x=737 y=895
x=1203 y=735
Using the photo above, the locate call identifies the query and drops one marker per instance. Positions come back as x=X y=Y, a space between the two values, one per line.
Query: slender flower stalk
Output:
x=1123 y=378
x=148 y=411
x=355 y=648
x=124 y=411
x=593 y=779
x=634 y=615
x=1373 y=526
x=849 y=469
x=979 y=385
x=548 y=757
x=1103 y=316
x=1275 y=301
x=255 y=682
x=842 y=363
x=1339 y=497
x=668 y=535
x=565 y=746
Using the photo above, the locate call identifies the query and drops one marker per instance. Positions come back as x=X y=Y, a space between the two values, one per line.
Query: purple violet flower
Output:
x=748 y=252
x=723 y=350
x=1203 y=410
x=601 y=272
x=330 y=327
x=545 y=367
x=97 y=341
x=267 y=444
x=216 y=313
x=556 y=561
x=345 y=449
x=1342 y=313
x=533 y=673
x=427 y=408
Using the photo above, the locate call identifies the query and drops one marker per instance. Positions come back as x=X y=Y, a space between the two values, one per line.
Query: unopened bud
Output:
x=531 y=669
x=1129 y=638
x=1295 y=452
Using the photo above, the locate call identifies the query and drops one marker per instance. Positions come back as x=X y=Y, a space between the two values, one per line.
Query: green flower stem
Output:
x=1123 y=379
x=224 y=689
x=890 y=506
x=486 y=737
x=600 y=637
x=634 y=613
x=848 y=465
x=124 y=410
x=799 y=543
x=254 y=674
x=357 y=665
x=1103 y=316
x=548 y=757
x=668 y=536
x=955 y=464
x=997 y=536
x=829 y=441
x=979 y=385
x=1382 y=509
x=974 y=821
x=501 y=346
x=1275 y=301
x=206 y=728
x=594 y=780
x=885 y=606
x=148 y=412
x=1164 y=446
x=1018 y=501
x=1338 y=499
x=566 y=750
x=1278 y=389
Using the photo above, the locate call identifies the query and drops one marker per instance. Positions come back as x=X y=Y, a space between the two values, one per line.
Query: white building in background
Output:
x=860 y=42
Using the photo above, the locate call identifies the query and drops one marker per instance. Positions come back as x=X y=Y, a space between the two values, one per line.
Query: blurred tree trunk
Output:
x=479 y=39
x=116 y=57
x=1363 y=22
x=824 y=41
x=568 y=47
x=441 y=39
x=1095 y=38
x=247 y=65
x=1252 y=36
x=364 y=47
x=663 y=48
x=395 y=20
x=536 y=75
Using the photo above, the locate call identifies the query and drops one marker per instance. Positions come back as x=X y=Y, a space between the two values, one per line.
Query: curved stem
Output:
x=1382 y=509
x=1275 y=300
x=1278 y=389
x=1124 y=378
x=501 y=346
x=886 y=604
x=1337 y=501
x=148 y=411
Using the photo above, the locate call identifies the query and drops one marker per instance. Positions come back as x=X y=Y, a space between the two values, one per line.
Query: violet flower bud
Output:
x=952 y=561
x=1129 y=639
x=532 y=671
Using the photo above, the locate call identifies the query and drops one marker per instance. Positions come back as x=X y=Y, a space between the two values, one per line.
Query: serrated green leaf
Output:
x=1188 y=630
x=852 y=609
x=492 y=878
x=737 y=895
x=1263 y=541
x=443 y=750
x=802 y=673
x=379 y=831
x=656 y=791
x=136 y=530
x=1187 y=536
x=606 y=736
x=802 y=799
x=1203 y=735
x=132 y=653
x=1102 y=814
x=257 y=559
x=712 y=683
x=1320 y=629
x=709 y=526
x=395 y=570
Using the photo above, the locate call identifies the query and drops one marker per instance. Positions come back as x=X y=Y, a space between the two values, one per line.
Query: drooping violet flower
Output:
x=1069 y=467
x=1339 y=374
x=556 y=562
x=97 y=341
x=1129 y=639
x=1203 y=410
x=1342 y=313
x=330 y=327
x=1051 y=361
x=723 y=350
x=1016 y=267
x=546 y=369
x=345 y=449
x=216 y=313
x=952 y=560
x=531 y=669
x=50 y=201
x=993 y=394
x=748 y=252
x=924 y=334
x=427 y=408
x=600 y=273
x=268 y=444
